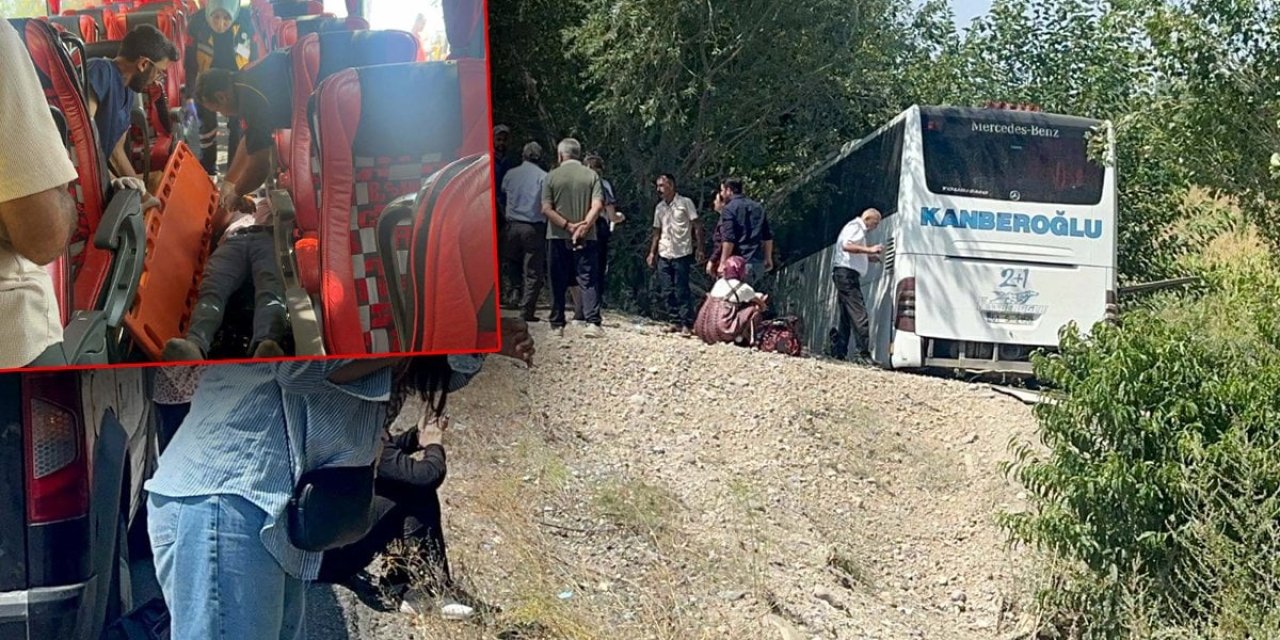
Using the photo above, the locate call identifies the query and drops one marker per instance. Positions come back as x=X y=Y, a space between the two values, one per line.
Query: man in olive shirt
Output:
x=572 y=198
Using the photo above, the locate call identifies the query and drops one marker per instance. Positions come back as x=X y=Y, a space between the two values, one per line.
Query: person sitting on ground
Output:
x=407 y=506
x=247 y=249
x=731 y=312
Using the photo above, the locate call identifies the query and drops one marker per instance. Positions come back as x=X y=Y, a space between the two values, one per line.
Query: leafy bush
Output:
x=1157 y=481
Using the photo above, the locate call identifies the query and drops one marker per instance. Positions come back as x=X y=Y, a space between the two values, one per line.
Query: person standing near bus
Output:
x=677 y=237
x=572 y=198
x=223 y=39
x=37 y=214
x=848 y=266
x=744 y=231
x=525 y=240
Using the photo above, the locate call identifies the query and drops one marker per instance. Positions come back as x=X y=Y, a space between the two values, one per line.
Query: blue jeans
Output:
x=218 y=579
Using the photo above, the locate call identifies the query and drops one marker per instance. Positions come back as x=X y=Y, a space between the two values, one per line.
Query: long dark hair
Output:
x=424 y=377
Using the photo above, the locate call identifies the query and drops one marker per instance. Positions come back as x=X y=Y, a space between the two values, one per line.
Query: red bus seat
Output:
x=372 y=150
x=291 y=31
x=296 y=8
x=104 y=18
x=316 y=57
x=81 y=26
x=104 y=257
x=441 y=249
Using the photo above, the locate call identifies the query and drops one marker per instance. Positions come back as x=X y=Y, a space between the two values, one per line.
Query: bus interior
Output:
x=381 y=189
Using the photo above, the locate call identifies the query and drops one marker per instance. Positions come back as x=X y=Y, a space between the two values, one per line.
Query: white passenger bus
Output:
x=998 y=230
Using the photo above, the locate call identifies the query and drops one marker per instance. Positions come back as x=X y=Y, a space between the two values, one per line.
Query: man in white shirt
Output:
x=37 y=214
x=848 y=266
x=526 y=232
x=676 y=238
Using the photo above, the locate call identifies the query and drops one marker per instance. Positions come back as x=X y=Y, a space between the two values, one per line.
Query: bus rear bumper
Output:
x=906 y=351
x=911 y=351
x=51 y=612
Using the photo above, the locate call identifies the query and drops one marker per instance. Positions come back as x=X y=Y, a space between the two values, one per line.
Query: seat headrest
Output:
x=102 y=49
x=70 y=23
x=409 y=109
x=346 y=49
x=318 y=24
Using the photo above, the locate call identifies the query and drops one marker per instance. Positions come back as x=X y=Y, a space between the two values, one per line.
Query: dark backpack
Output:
x=781 y=335
x=148 y=622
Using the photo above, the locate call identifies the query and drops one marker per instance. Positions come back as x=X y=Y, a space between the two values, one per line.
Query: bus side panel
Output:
x=808 y=293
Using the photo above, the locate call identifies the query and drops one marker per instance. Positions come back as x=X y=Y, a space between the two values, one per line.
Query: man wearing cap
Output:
x=525 y=245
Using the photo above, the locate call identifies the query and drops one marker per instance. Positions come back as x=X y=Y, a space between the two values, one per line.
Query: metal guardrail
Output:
x=1158 y=285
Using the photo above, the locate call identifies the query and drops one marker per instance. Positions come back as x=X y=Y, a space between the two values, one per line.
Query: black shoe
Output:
x=366 y=591
x=531 y=318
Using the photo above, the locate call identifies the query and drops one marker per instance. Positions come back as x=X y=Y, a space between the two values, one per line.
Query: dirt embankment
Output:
x=648 y=486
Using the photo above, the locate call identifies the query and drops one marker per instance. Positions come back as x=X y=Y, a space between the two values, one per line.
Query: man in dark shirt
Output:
x=261 y=95
x=744 y=231
x=405 y=507
x=221 y=37
x=144 y=57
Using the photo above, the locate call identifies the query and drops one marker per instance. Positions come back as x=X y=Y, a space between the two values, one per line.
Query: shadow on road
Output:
x=326 y=617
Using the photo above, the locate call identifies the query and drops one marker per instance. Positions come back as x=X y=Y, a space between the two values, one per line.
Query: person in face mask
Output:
x=144 y=57
x=222 y=38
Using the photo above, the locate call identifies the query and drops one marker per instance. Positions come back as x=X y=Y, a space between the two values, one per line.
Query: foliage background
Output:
x=1156 y=481
x=765 y=90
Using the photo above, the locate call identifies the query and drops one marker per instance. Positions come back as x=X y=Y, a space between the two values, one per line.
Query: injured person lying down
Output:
x=247 y=249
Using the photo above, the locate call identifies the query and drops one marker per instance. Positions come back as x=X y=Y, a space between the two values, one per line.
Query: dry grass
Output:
x=525 y=509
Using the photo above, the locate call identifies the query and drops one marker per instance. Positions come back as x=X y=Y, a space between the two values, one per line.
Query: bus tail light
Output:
x=1113 y=308
x=906 y=305
x=57 y=472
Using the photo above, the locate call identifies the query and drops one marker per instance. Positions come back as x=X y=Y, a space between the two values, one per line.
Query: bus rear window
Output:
x=1009 y=161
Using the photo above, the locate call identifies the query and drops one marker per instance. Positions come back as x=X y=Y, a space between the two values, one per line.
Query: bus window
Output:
x=1009 y=161
x=337 y=7
x=424 y=19
x=23 y=8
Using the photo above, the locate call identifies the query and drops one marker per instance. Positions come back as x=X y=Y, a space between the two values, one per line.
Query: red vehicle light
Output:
x=906 y=305
x=57 y=470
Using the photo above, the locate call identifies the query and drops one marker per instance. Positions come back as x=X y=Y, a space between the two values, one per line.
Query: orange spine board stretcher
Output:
x=179 y=233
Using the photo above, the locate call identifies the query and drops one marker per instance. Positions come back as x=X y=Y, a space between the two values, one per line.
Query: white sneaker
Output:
x=456 y=611
x=593 y=331
x=416 y=603
x=558 y=332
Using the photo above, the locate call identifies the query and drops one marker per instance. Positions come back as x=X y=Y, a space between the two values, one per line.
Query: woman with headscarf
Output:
x=731 y=312
x=221 y=38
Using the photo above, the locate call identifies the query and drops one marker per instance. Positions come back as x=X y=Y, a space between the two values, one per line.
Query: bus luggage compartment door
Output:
x=1004 y=302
